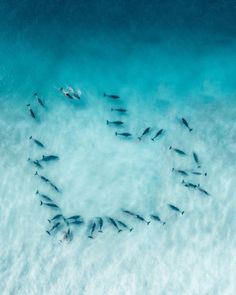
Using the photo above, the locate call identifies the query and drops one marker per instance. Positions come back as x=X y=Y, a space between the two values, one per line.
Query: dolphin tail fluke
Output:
x=36 y=173
x=91 y=237
x=104 y=94
x=30 y=137
x=152 y=139
x=112 y=109
x=41 y=203
x=49 y=220
x=119 y=230
x=28 y=105
x=48 y=232
x=139 y=138
x=100 y=231
x=205 y=174
x=108 y=122
x=191 y=129
x=148 y=222
x=182 y=212
x=164 y=223
x=116 y=133
x=37 y=192
x=199 y=166
x=131 y=229
x=170 y=147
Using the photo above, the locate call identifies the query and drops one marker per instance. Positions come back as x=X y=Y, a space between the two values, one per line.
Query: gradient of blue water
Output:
x=165 y=60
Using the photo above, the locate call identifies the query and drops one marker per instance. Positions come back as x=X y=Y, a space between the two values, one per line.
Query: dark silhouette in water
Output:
x=203 y=191
x=58 y=216
x=39 y=100
x=115 y=122
x=100 y=223
x=36 y=163
x=186 y=124
x=49 y=205
x=178 y=151
x=174 y=208
x=31 y=111
x=156 y=217
x=112 y=221
x=92 y=229
x=157 y=134
x=46 y=198
x=124 y=225
x=55 y=226
x=113 y=96
x=39 y=143
x=42 y=177
x=195 y=157
x=182 y=172
x=125 y=134
x=198 y=173
x=146 y=131
x=190 y=185
x=128 y=212
x=49 y=158
x=142 y=219
x=119 y=110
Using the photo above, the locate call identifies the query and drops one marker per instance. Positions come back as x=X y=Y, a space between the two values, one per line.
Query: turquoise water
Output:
x=165 y=61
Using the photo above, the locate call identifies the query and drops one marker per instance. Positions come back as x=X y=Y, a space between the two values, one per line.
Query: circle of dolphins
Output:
x=62 y=226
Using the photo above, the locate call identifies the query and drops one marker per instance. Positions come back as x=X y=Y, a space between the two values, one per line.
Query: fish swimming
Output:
x=119 y=110
x=125 y=134
x=186 y=124
x=39 y=143
x=156 y=217
x=146 y=131
x=178 y=151
x=157 y=134
x=115 y=122
x=111 y=96
x=175 y=208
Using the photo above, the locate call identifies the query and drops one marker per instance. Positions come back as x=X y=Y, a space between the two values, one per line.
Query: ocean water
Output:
x=166 y=61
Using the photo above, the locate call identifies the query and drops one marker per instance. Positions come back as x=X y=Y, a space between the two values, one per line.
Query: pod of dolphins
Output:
x=59 y=224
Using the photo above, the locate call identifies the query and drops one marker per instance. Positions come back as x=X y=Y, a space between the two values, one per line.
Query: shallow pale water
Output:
x=166 y=62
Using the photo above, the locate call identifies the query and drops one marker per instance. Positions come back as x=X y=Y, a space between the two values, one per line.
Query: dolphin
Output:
x=31 y=111
x=100 y=223
x=58 y=216
x=125 y=134
x=157 y=134
x=142 y=219
x=124 y=225
x=156 y=217
x=146 y=131
x=49 y=158
x=120 y=110
x=186 y=124
x=195 y=157
x=46 y=198
x=42 y=177
x=178 y=151
x=112 y=221
x=115 y=122
x=113 y=96
x=175 y=208
x=92 y=229
x=39 y=143
x=203 y=191
x=190 y=185
x=182 y=172
x=49 y=205
x=36 y=163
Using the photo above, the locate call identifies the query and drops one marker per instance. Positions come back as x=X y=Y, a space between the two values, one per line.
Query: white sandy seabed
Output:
x=98 y=174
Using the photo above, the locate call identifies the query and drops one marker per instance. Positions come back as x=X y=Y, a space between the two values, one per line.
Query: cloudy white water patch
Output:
x=99 y=174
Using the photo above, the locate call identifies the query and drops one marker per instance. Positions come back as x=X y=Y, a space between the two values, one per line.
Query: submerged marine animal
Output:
x=125 y=134
x=156 y=217
x=157 y=134
x=120 y=110
x=31 y=111
x=39 y=143
x=174 y=208
x=113 y=96
x=115 y=122
x=186 y=124
x=146 y=131
x=178 y=151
